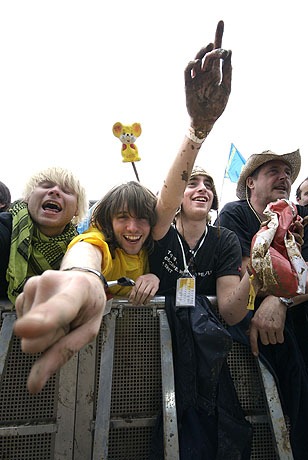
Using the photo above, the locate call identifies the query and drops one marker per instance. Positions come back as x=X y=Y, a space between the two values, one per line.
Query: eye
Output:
x=289 y=173
x=143 y=220
x=208 y=186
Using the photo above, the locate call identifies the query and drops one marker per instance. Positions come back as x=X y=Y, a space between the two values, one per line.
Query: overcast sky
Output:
x=71 y=69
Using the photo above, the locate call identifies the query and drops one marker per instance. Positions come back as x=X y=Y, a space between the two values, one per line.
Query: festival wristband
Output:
x=196 y=135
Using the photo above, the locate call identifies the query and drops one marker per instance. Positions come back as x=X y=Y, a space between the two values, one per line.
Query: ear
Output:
x=136 y=127
x=250 y=182
x=117 y=129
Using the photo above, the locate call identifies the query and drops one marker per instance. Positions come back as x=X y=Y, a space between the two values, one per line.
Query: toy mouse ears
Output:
x=119 y=129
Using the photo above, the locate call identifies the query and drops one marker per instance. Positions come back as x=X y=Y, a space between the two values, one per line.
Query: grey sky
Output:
x=71 y=69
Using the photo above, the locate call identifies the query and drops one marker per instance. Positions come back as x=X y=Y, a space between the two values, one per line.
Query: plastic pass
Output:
x=252 y=294
x=185 y=292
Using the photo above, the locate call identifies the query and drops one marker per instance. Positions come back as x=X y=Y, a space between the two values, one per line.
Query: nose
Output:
x=201 y=186
x=54 y=191
x=132 y=224
x=285 y=179
x=285 y=174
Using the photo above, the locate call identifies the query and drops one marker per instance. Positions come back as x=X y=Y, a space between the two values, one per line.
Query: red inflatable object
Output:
x=275 y=259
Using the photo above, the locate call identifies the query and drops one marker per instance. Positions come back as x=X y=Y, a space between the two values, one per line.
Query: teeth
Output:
x=52 y=205
x=132 y=237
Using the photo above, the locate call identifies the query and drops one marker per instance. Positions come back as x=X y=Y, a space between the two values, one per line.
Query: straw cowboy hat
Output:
x=293 y=159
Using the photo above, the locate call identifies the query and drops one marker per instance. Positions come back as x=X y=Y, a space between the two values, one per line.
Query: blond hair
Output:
x=65 y=179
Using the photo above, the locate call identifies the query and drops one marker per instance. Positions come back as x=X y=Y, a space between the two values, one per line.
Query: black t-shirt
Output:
x=219 y=255
x=238 y=217
x=5 y=246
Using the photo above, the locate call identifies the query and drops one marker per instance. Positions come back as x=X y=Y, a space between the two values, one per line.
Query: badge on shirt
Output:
x=185 y=291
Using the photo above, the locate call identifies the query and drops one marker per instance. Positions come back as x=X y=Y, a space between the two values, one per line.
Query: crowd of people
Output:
x=58 y=278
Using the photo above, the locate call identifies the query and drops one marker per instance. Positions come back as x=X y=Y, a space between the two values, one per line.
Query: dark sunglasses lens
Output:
x=192 y=266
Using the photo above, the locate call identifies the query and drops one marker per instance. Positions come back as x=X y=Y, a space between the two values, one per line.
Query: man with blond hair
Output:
x=36 y=230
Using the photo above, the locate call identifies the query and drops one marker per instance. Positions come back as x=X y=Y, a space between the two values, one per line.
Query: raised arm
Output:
x=207 y=87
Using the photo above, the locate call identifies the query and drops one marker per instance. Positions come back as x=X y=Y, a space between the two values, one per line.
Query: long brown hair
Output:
x=131 y=197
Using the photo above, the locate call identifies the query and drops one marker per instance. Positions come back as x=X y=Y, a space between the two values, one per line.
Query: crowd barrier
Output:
x=104 y=402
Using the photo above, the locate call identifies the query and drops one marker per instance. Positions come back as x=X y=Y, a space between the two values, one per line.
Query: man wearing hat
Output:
x=265 y=178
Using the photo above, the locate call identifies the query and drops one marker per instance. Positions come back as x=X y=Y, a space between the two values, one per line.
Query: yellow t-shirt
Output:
x=123 y=264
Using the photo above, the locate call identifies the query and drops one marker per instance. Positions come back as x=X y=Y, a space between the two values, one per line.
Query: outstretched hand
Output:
x=58 y=313
x=208 y=83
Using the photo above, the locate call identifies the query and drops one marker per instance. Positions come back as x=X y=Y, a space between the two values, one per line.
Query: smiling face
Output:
x=52 y=207
x=198 y=197
x=125 y=215
x=130 y=232
x=271 y=182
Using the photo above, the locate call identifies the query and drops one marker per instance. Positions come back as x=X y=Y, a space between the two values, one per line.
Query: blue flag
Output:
x=235 y=163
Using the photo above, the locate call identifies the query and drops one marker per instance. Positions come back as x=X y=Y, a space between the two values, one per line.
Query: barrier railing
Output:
x=104 y=402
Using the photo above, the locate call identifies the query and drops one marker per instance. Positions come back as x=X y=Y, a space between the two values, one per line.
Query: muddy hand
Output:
x=208 y=83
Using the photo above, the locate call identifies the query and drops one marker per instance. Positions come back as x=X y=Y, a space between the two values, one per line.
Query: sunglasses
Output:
x=192 y=267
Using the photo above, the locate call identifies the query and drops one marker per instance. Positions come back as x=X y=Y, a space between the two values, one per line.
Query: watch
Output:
x=286 y=302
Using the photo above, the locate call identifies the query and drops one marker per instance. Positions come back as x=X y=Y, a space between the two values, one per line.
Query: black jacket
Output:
x=211 y=422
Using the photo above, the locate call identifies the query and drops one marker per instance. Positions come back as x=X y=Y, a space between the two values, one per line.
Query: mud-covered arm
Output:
x=207 y=88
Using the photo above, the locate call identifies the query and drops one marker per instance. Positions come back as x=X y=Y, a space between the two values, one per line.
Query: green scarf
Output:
x=32 y=252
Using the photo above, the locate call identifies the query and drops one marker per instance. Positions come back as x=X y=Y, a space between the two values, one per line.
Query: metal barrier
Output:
x=104 y=402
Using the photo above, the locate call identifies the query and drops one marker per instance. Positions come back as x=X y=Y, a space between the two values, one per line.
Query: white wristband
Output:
x=195 y=135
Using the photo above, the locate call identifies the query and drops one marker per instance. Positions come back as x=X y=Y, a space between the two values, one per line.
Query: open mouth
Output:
x=52 y=206
x=201 y=199
x=132 y=238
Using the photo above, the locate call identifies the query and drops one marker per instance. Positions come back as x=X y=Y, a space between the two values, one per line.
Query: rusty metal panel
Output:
x=83 y=439
x=6 y=340
x=27 y=422
x=171 y=439
x=102 y=422
x=136 y=392
x=275 y=414
x=32 y=425
x=66 y=406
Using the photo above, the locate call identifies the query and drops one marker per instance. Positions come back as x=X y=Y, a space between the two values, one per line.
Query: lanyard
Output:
x=194 y=253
